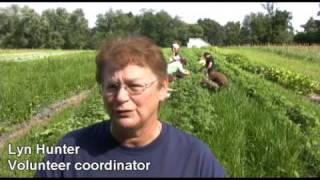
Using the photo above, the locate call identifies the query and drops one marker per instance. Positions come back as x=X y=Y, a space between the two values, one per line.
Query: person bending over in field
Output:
x=135 y=141
x=209 y=62
x=176 y=70
x=213 y=79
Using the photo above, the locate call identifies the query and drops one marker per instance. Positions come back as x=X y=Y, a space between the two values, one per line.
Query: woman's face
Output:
x=135 y=109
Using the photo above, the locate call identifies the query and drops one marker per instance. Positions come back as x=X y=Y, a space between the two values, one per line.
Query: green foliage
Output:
x=59 y=29
x=273 y=27
x=255 y=127
x=89 y=112
x=195 y=31
x=300 y=83
x=213 y=31
x=289 y=108
x=28 y=86
x=24 y=28
x=232 y=31
x=308 y=53
x=262 y=120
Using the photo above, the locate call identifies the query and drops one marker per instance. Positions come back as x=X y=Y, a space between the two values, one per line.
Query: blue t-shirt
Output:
x=173 y=153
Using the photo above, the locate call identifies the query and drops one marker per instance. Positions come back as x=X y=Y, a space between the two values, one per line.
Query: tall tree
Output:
x=55 y=24
x=212 y=30
x=312 y=25
x=149 y=26
x=114 y=23
x=281 y=27
x=180 y=31
x=254 y=29
x=8 y=20
x=232 y=33
x=311 y=32
x=31 y=35
x=195 y=31
x=77 y=31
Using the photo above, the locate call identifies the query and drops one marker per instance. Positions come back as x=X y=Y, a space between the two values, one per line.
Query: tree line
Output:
x=22 y=27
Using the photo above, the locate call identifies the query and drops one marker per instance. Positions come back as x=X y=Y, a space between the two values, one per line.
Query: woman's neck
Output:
x=136 y=137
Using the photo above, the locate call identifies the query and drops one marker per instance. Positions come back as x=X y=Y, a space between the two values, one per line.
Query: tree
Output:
x=115 y=23
x=311 y=33
x=282 y=28
x=279 y=28
x=77 y=31
x=8 y=20
x=162 y=28
x=312 y=25
x=165 y=28
x=55 y=23
x=232 y=33
x=31 y=35
x=195 y=31
x=273 y=27
x=254 y=29
x=180 y=31
x=20 y=28
x=245 y=34
x=212 y=30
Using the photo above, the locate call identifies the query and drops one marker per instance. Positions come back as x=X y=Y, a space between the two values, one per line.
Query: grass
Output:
x=304 y=52
x=72 y=118
x=308 y=68
x=27 y=87
x=246 y=125
x=249 y=138
x=20 y=55
x=281 y=102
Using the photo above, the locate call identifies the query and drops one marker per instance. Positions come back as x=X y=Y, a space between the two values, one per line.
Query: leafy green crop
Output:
x=27 y=87
x=300 y=83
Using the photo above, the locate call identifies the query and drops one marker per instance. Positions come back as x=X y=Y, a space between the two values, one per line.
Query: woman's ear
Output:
x=164 y=89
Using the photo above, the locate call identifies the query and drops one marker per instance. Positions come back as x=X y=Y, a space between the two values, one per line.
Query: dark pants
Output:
x=174 y=76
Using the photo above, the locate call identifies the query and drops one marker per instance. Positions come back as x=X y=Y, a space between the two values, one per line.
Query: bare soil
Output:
x=315 y=98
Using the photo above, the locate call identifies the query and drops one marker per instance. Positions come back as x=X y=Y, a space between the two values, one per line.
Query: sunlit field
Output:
x=262 y=125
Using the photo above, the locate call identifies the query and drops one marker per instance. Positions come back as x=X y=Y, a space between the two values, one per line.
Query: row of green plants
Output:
x=27 y=87
x=300 y=83
x=246 y=125
x=297 y=65
x=89 y=112
x=250 y=138
x=301 y=112
x=15 y=51
x=304 y=52
x=24 y=55
x=273 y=92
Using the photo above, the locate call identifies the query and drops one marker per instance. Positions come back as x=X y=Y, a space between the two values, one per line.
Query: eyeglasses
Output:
x=111 y=89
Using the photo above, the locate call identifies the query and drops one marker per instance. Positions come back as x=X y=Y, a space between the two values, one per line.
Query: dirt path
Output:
x=314 y=97
x=43 y=117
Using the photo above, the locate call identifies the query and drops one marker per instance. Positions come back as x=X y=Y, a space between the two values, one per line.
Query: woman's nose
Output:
x=122 y=94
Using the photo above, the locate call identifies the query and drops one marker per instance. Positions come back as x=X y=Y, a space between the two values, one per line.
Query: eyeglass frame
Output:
x=128 y=90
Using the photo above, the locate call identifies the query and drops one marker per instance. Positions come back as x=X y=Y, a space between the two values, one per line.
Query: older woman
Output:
x=134 y=142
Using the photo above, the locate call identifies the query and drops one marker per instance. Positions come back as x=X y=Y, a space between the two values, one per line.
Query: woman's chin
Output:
x=126 y=122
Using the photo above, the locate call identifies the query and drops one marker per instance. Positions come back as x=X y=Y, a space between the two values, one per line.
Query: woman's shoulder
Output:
x=185 y=139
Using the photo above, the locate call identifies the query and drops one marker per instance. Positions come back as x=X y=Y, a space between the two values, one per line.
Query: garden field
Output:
x=20 y=55
x=264 y=124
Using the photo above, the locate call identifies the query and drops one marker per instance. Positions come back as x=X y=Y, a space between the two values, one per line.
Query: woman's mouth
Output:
x=123 y=113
